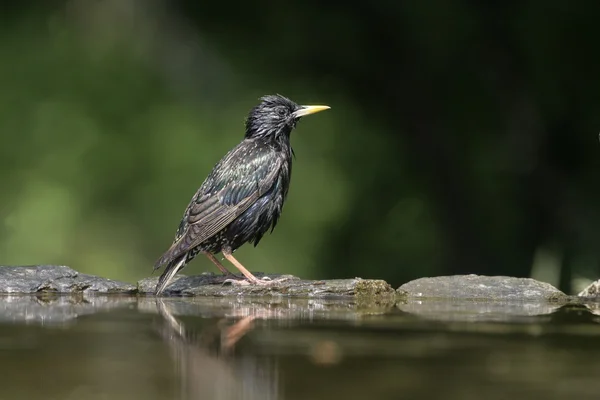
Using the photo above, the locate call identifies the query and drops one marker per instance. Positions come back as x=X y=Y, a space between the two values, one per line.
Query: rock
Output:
x=481 y=287
x=56 y=279
x=209 y=284
x=592 y=291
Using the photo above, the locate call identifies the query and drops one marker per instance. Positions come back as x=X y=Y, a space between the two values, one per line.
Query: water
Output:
x=218 y=348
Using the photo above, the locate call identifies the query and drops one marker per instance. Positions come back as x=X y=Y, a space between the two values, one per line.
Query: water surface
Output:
x=220 y=348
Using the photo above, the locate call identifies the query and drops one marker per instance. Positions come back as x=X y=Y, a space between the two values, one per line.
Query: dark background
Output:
x=463 y=135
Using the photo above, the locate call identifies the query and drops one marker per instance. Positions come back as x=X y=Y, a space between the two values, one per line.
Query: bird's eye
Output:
x=281 y=112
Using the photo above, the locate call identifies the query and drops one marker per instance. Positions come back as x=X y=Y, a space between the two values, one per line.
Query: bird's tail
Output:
x=170 y=270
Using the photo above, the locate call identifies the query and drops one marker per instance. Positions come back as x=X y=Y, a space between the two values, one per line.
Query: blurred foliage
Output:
x=462 y=136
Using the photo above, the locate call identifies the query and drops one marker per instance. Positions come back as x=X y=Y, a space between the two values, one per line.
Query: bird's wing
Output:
x=235 y=183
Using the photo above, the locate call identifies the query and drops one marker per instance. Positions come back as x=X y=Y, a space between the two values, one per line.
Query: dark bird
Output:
x=242 y=198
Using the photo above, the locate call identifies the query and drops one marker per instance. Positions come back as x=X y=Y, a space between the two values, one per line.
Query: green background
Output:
x=463 y=137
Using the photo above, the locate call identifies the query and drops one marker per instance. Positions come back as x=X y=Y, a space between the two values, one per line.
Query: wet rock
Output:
x=481 y=287
x=209 y=284
x=56 y=279
x=592 y=291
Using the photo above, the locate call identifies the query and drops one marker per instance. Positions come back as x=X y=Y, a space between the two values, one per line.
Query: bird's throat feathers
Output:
x=277 y=133
x=275 y=130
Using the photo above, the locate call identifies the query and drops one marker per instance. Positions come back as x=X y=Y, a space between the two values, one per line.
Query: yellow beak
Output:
x=307 y=110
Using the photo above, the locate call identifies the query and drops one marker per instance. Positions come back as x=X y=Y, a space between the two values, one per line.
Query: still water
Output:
x=220 y=348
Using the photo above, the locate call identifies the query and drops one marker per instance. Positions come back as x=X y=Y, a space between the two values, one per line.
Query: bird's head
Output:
x=276 y=115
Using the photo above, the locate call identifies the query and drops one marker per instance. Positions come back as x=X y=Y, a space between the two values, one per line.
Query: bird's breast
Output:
x=262 y=215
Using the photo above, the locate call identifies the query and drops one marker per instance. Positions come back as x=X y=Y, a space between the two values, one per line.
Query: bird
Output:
x=243 y=196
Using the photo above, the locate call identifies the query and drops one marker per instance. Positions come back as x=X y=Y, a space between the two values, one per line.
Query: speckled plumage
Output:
x=243 y=196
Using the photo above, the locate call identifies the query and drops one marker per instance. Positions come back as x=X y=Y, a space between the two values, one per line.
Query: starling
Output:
x=242 y=198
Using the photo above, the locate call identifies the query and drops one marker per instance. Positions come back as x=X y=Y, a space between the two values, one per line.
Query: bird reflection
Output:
x=207 y=365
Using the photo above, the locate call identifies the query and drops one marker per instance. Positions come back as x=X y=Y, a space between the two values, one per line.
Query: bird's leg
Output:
x=221 y=267
x=251 y=278
x=238 y=265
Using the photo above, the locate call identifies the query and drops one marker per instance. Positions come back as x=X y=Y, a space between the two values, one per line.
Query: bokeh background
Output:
x=463 y=135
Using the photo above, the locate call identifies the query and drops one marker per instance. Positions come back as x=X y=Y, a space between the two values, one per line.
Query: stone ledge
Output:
x=209 y=284
x=58 y=279
x=479 y=287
